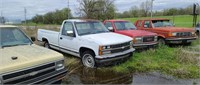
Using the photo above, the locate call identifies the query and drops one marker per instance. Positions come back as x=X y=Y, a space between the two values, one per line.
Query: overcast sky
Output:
x=14 y=9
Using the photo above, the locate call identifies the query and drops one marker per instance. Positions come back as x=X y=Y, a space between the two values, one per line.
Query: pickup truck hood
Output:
x=107 y=38
x=136 y=33
x=28 y=56
x=174 y=29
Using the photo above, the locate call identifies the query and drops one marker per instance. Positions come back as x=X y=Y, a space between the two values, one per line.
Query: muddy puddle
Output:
x=82 y=75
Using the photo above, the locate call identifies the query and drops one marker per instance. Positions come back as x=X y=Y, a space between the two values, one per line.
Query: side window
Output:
x=139 y=24
x=108 y=24
x=68 y=29
x=147 y=24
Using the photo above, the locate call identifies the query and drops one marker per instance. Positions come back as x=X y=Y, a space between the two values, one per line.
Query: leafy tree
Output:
x=55 y=17
x=97 y=9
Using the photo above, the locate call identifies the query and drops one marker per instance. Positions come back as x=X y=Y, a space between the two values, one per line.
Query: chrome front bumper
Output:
x=180 y=40
x=114 y=56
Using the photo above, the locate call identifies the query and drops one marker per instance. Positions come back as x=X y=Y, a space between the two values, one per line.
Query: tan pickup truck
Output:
x=22 y=62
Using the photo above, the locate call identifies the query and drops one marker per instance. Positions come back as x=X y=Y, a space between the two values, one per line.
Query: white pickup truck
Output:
x=89 y=40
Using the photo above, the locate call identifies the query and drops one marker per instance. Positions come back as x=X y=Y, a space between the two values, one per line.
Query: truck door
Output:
x=67 y=39
x=147 y=25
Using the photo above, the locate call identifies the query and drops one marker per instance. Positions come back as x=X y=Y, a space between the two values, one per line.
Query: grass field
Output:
x=179 y=20
x=168 y=60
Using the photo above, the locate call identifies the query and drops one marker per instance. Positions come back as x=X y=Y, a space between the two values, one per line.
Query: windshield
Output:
x=162 y=23
x=13 y=37
x=124 y=25
x=90 y=27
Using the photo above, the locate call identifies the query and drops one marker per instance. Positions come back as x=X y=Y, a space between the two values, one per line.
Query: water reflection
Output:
x=79 y=74
x=85 y=75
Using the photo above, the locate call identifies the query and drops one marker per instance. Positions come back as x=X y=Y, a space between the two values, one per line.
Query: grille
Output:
x=120 y=47
x=120 y=50
x=29 y=74
x=184 y=34
x=148 y=39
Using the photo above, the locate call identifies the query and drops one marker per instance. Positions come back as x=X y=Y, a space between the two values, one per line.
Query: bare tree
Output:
x=145 y=8
x=97 y=9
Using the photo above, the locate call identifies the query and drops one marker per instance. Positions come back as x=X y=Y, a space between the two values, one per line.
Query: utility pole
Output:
x=25 y=12
x=152 y=8
x=1 y=11
x=68 y=10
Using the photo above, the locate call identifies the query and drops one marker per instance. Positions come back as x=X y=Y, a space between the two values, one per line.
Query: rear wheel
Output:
x=46 y=44
x=161 y=41
x=88 y=59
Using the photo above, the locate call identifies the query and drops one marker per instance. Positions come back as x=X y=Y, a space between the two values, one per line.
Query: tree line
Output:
x=145 y=7
x=105 y=9
x=55 y=17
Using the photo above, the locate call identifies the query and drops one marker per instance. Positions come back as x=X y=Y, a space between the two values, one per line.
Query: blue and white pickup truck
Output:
x=90 y=40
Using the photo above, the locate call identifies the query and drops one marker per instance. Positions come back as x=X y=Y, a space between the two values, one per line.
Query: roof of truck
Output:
x=154 y=19
x=116 y=20
x=6 y=26
x=80 y=20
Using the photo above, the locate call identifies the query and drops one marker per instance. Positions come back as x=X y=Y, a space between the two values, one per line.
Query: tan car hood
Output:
x=28 y=56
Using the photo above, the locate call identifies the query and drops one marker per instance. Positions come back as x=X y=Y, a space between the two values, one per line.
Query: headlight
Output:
x=60 y=65
x=131 y=44
x=104 y=50
x=156 y=38
x=137 y=40
x=193 y=33
x=174 y=34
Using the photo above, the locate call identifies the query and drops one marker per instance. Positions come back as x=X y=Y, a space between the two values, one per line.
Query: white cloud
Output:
x=14 y=9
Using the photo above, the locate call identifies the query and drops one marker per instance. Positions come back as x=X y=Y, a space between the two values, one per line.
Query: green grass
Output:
x=166 y=60
x=179 y=20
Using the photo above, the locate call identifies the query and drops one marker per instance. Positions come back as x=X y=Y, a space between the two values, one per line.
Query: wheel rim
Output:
x=161 y=42
x=46 y=45
x=88 y=60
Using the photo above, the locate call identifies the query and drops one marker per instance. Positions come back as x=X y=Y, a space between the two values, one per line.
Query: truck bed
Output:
x=51 y=36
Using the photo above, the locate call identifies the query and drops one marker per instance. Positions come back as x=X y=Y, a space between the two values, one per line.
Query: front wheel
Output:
x=88 y=59
x=161 y=41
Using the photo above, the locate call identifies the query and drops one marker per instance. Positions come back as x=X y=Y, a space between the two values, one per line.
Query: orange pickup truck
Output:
x=167 y=33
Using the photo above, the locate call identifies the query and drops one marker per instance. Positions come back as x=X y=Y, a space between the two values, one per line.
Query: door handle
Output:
x=61 y=38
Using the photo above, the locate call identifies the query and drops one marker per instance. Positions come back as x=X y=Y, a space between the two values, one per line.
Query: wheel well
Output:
x=83 y=49
x=44 y=40
x=159 y=37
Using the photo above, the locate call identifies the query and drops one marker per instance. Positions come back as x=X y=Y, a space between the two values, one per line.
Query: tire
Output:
x=46 y=44
x=198 y=34
x=88 y=60
x=161 y=41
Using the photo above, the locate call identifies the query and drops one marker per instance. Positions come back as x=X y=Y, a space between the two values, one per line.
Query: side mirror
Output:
x=110 y=29
x=33 y=39
x=70 y=33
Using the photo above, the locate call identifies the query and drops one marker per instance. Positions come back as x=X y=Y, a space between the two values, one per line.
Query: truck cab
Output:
x=22 y=62
x=141 y=39
x=89 y=40
x=167 y=32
